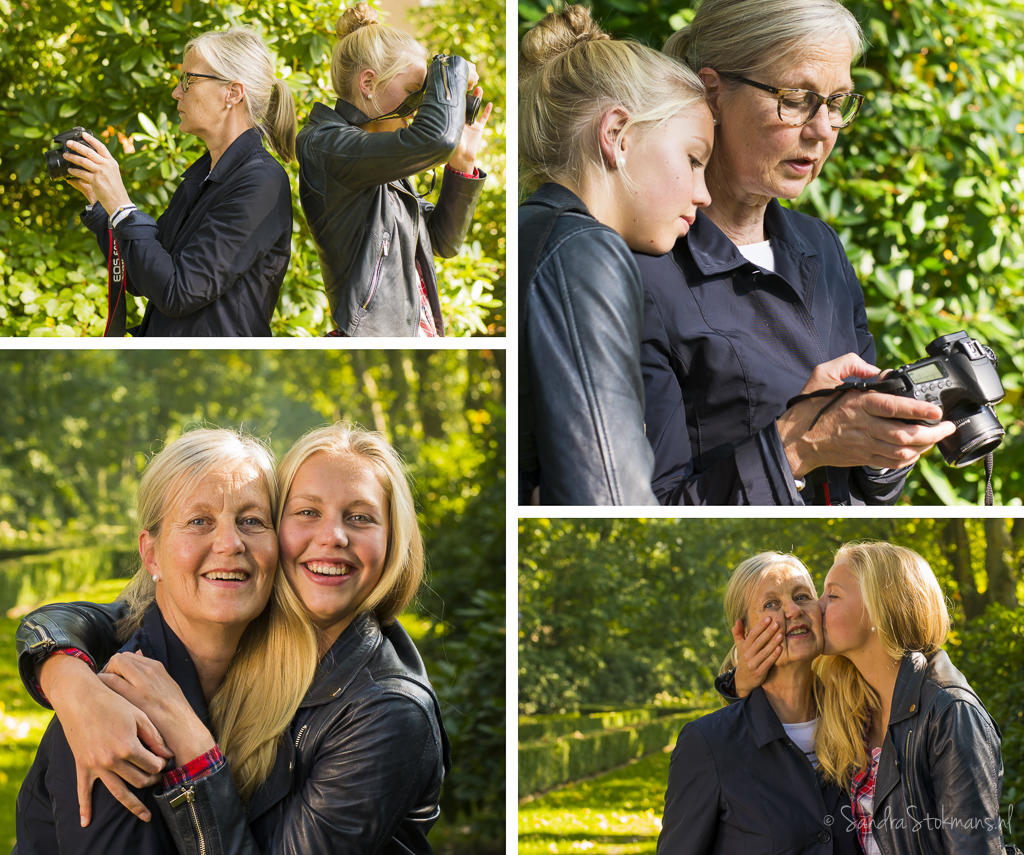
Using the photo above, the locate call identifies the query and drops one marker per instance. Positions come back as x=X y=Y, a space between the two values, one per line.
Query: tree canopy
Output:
x=925 y=189
x=112 y=71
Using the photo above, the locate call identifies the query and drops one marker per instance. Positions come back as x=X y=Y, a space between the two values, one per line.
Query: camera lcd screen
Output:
x=931 y=371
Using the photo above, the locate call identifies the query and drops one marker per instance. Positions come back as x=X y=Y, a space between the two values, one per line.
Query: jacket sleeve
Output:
x=581 y=366
x=448 y=222
x=753 y=472
x=690 y=823
x=967 y=777
x=96 y=221
x=358 y=159
x=235 y=233
x=367 y=775
x=89 y=627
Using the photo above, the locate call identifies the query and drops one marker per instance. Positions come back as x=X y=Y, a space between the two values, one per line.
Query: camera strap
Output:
x=117 y=309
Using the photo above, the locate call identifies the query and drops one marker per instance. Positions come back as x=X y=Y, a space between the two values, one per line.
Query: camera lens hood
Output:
x=978 y=432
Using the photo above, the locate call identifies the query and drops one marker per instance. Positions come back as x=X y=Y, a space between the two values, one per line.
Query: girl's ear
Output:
x=611 y=137
x=367 y=81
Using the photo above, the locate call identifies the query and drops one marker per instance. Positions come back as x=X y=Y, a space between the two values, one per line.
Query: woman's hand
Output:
x=464 y=158
x=861 y=429
x=111 y=739
x=756 y=652
x=146 y=684
x=96 y=173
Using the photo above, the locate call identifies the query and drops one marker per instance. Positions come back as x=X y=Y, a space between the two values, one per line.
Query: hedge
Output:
x=548 y=763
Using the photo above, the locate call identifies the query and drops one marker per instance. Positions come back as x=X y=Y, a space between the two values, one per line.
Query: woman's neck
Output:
x=211 y=647
x=219 y=141
x=738 y=214
x=789 y=692
x=879 y=671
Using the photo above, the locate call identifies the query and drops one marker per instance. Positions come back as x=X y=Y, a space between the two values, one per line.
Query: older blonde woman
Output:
x=760 y=303
x=743 y=779
x=197 y=613
x=212 y=264
x=362 y=767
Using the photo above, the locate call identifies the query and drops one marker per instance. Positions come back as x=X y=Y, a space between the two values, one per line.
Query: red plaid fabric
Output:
x=204 y=765
x=862 y=787
x=474 y=174
x=427 y=328
x=66 y=651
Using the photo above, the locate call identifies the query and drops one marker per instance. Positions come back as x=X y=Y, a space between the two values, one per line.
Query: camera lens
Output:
x=56 y=164
x=978 y=432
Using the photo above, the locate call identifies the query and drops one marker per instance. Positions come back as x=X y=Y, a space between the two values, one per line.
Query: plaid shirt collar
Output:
x=863 y=786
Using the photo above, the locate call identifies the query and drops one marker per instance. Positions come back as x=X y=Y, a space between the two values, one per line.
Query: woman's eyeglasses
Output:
x=186 y=76
x=798 y=106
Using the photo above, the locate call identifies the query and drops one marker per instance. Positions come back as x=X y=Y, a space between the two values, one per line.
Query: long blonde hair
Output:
x=570 y=73
x=277 y=655
x=905 y=605
x=737 y=593
x=403 y=566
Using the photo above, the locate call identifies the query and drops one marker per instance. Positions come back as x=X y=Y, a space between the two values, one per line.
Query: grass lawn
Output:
x=618 y=813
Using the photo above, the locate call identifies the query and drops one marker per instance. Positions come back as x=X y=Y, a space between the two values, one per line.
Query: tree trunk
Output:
x=1002 y=582
x=957 y=548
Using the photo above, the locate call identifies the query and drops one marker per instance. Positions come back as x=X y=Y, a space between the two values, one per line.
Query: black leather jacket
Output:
x=581 y=396
x=940 y=773
x=369 y=227
x=361 y=773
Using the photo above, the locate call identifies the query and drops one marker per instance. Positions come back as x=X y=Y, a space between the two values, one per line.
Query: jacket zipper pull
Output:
x=385 y=245
x=189 y=797
x=444 y=77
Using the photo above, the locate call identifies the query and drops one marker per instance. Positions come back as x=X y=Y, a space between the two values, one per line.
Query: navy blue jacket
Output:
x=47 y=811
x=726 y=344
x=213 y=264
x=738 y=785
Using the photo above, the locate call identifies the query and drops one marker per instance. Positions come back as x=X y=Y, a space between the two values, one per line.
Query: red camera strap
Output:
x=117 y=309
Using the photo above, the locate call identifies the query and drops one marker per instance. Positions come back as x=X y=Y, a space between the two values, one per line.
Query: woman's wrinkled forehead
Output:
x=780 y=579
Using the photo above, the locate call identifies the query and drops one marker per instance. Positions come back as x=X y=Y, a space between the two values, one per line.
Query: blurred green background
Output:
x=926 y=191
x=79 y=426
x=112 y=71
x=625 y=614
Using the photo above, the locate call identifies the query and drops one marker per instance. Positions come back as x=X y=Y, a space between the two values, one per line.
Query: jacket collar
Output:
x=716 y=255
x=236 y=154
x=343 y=112
x=915 y=669
x=553 y=195
x=764 y=724
x=347 y=656
x=158 y=641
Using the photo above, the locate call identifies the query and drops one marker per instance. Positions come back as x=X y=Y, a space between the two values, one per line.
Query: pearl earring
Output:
x=620 y=162
x=714 y=121
x=156 y=578
x=872 y=629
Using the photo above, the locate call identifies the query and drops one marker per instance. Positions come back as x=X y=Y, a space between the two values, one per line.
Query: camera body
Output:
x=55 y=161
x=959 y=376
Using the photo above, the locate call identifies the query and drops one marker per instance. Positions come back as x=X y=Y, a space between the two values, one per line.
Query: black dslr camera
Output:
x=55 y=161
x=960 y=377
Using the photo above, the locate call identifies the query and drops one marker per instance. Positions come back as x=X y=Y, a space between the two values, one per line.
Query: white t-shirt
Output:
x=760 y=253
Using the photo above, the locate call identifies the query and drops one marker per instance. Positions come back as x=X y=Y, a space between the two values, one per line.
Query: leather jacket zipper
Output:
x=45 y=642
x=910 y=788
x=385 y=247
x=189 y=797
x=444 y=77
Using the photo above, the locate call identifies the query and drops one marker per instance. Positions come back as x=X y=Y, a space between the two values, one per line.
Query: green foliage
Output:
x=549 y=762
x=621 y=611
x=925 y=189
x=614 y=814
x=113 y=71
x=990 y=652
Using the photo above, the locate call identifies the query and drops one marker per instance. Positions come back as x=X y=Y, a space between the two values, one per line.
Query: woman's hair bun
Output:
x=559 y=33
x=355 y=17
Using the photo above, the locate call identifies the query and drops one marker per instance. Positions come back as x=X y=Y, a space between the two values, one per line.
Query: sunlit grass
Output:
x=618 y=813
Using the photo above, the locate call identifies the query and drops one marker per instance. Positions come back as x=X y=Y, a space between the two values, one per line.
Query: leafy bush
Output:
x=925 y=189
x=113 y=71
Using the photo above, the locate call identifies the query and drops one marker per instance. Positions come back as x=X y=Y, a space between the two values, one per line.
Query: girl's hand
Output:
x=146 y=684
x=96 y=172
x=112 y=741
x=756 y=652
x=464 y=158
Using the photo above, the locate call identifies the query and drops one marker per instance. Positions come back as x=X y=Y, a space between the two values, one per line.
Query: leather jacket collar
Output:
x=553 y=195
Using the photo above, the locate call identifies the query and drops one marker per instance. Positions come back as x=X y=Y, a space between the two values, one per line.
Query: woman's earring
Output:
x=156 y=578
x=872 y=629
x=620 y=162
x=714 y=121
